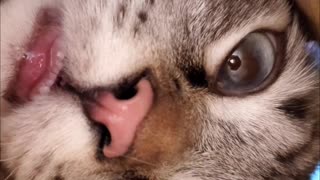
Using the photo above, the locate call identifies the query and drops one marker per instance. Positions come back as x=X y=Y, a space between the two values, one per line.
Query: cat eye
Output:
x=250 y=67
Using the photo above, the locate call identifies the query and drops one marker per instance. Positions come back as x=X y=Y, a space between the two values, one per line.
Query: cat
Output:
x=156 y=90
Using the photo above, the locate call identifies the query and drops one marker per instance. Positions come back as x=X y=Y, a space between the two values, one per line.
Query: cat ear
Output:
x=311 y=8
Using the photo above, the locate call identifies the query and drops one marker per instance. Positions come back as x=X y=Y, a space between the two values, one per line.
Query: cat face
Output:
x=214 y=89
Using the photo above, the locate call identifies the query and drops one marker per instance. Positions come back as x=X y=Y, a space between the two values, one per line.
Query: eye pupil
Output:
x=234 y=63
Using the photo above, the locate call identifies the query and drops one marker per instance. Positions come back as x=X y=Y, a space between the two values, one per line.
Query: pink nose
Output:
x=122 y=116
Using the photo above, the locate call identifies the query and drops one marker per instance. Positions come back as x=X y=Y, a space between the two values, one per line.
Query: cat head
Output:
x=157 y=90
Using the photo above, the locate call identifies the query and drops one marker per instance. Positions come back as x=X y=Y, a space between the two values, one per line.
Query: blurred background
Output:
x=311 y=8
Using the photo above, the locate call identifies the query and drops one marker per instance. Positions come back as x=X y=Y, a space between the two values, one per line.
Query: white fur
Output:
x=99 y=54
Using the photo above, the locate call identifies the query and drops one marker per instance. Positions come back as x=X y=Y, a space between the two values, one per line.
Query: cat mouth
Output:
x=40 y=65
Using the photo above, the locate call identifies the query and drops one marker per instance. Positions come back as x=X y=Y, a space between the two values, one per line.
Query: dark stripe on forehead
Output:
x=295 y=108
x=142 y=16
x=213 y=19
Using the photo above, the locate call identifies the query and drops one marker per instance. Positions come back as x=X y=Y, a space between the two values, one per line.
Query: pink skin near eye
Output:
x=40 y=66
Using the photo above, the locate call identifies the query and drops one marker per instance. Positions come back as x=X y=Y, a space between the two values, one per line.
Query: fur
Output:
x=191 y=132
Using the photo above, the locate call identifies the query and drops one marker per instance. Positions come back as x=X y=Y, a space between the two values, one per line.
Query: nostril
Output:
x=121 y=112
x=126 y=93
x=105 y=137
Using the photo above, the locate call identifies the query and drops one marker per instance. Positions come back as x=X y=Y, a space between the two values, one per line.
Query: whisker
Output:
x=136 y=159
x=9 y=159
x=12 y=172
